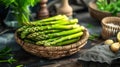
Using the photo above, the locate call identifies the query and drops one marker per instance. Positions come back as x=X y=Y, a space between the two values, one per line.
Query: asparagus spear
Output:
x=57 y=34
x=67 y=42
x=62 y=22
x=72 y=36
x=62 y=39
x=22 y=28
x=58 y=17
x=33 y=35
x=49 y=27
x=42 y=42
x=59 y=44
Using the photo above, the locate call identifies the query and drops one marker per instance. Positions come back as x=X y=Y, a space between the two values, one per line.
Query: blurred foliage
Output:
x=20 y=8
x=6 y=55
x=112 y=6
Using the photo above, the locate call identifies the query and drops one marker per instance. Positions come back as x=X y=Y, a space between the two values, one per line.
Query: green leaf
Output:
x=5 y=50
x=93 y=36
x=10 y=60
x=90 y=26
x=6 y=56
x=19 y=66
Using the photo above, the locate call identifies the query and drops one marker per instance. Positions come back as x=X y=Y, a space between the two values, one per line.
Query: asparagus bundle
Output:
x=33 y=35
x=62 y=39
x=58 y=34
x=22 y=28
x=59 y=19
x=54 y=31
x=49 y=27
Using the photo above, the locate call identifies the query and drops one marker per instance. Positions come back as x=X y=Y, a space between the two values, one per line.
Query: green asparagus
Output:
x=67 y=42
x=62 y=39
x=42 y=42
x=61 y=22
x=33 y=35
x=22 y=28
x=57 y=34
x=58 y=17
x=59 y=44
x=35 y=29
x=55 y=31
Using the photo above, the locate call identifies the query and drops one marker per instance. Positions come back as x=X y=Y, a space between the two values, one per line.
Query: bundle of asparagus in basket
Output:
x=53 y=31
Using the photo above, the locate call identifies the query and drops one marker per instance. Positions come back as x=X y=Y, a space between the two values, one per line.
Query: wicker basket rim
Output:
x=83 y=38
x=104 y=22
x=93 y=7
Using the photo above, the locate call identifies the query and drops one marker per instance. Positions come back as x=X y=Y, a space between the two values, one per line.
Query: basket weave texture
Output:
x=95 y=13
x=108 y=30
x=53 y=52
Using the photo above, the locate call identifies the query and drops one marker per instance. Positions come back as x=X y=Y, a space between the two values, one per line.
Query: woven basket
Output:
x=95 y=13
x=53 y=52
x=108 y=30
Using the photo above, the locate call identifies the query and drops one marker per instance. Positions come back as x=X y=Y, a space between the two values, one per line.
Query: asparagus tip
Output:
x=74 y=20
x=76 y=26
x=82 y=27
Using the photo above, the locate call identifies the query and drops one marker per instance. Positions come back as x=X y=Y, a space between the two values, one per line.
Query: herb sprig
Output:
x=6 y=55
x=20 y=65
x=93 y=36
